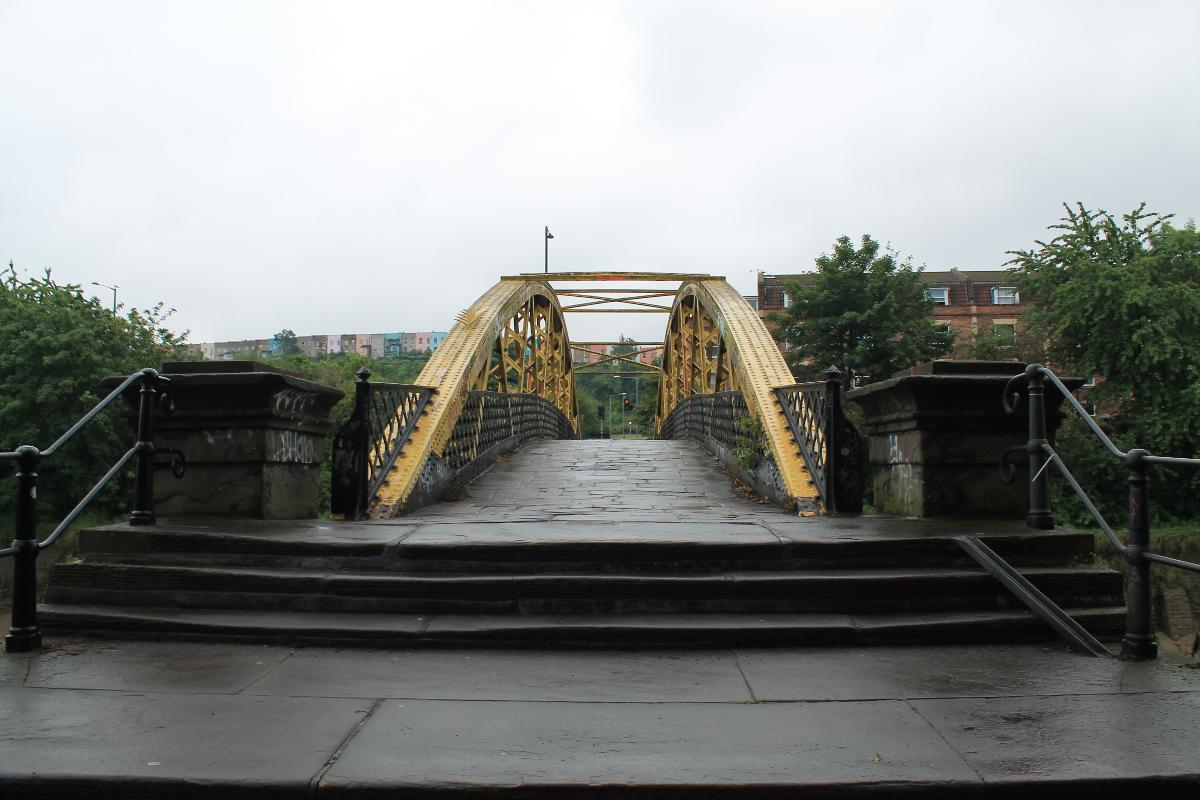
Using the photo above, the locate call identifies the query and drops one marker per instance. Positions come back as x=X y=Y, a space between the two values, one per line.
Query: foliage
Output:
x=989 y=344
x=599 y=386
x=864 y=312
x=58 y=346
x=1120 y=298
x=288 y=346
x=751 y=443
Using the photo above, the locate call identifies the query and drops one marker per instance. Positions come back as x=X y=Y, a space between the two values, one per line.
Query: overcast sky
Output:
x=365 y=167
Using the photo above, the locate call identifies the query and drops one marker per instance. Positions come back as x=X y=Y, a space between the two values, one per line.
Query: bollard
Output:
x=1039 y=515
x=143 y=500
x=1139 y=641
x=24 y=634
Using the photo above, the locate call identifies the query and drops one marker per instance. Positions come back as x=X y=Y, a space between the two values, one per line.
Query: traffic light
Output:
x=628 y=404
x=600 y=411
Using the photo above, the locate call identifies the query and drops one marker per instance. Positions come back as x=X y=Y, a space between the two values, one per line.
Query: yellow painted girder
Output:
x=749 y=357
x=614 y=275
x=462 y=363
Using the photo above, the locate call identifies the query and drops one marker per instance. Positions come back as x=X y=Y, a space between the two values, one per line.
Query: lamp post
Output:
x=637 y=384
x=549 y=236
x=114 y=288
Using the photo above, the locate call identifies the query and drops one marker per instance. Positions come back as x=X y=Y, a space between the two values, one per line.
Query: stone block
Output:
x=252 y=436
x=936 y=435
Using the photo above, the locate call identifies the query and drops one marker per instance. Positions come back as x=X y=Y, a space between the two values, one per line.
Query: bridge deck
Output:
x=604 y=480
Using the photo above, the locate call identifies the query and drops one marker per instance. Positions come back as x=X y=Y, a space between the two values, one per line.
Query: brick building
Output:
x=965 y=301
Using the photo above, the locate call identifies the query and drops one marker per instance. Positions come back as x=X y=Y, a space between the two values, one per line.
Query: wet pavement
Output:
x=227 y=720
x=151 y=719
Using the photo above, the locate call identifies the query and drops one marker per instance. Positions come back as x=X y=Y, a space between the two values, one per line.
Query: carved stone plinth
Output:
x=253 y=438
x=936 y=434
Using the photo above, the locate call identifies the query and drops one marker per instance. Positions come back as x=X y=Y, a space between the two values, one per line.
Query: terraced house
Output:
x=965 y=301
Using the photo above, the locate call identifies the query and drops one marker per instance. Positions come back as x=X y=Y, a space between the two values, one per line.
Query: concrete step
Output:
x=495 y=550
x=839 y=590
x=621 y=631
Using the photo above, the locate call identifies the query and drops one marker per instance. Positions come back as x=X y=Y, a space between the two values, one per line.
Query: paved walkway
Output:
x=601 y=479
x=242 y=720
x=141 y=719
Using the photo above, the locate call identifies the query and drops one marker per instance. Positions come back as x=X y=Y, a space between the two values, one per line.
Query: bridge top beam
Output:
x=673 y=277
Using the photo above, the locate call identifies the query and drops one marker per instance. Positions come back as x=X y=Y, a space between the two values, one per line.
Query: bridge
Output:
x=504 y=375
x=467 y=510
x=472 y=517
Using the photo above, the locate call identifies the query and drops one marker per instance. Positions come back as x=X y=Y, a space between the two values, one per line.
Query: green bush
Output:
x=58 y=346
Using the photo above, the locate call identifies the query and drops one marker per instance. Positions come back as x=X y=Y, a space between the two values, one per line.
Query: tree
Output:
x=1119 y=298
x=58 y=346
x=864 y=312
x=288 y=346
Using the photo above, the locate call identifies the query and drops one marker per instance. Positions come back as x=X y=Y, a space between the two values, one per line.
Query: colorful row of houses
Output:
x=371 y=345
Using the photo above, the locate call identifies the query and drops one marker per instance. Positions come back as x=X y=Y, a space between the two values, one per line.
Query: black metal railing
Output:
x=24 y=634
x=827 y=441
x=720 y=416
x=1139 y=640
x=384 y=418
x=490 y=420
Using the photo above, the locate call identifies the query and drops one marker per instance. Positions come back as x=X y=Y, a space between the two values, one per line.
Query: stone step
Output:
x=623 y=631
x=832 y=590
x=446 y=549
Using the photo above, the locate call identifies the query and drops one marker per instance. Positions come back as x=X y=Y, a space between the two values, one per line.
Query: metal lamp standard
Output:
x=114 y=288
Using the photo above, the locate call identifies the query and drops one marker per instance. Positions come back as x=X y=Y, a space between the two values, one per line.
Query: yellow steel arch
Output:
x=512 y=339
x=715 y=342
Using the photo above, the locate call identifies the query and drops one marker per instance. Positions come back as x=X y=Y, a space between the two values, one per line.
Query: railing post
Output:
x=1039 y=482
x=833 y=427
x=1139 y=641
x=143 y=501
x=24 y=634
x=362 y=447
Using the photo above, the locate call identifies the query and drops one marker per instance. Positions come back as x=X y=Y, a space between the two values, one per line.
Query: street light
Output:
x=549 y=236
x=637 y=383
x=114 y=288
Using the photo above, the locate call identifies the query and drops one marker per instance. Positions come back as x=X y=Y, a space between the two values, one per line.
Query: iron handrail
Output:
x=88 y=417
x=1139 y=639
x=24 y=633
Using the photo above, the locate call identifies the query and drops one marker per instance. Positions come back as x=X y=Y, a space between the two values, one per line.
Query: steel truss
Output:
x=513 y=340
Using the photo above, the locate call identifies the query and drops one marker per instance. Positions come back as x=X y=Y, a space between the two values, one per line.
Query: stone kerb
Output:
x=253 y=438
x=936 y=434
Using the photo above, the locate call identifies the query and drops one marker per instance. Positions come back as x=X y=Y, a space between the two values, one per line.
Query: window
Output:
x=939 y=295
x=1005 y=296
x=1005 y=329
x=787 y=300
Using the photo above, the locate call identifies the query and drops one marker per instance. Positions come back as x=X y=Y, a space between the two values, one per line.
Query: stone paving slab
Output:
x=244 y=746
x=1090 y=739
x=144 y=719
x=301 y=530
x=152 y=667
x=593 y=479
x=531 y=745
x=707 y=677
x=980 y=671
x=576 y=534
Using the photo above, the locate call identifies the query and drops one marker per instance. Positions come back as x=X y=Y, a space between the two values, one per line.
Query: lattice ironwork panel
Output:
x=806 y=408
x=489 y=419
x=384 y=418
